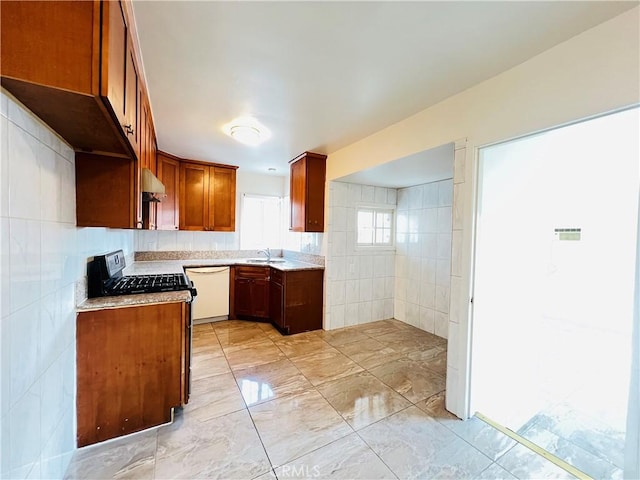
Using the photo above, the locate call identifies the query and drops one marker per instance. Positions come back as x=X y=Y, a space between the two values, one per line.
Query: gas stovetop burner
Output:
x=105 y=278
x=149 y=284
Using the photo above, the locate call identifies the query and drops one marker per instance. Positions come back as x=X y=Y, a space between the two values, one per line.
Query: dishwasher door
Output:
x=212 y=302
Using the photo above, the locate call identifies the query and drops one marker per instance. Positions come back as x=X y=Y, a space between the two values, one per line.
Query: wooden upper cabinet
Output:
x=131 y=125
x=308 y=173
x=207 y=197
x=168 y=209
x=74 y=64
x=114 y=41
x=222 y=199
x=51 y=44
x=105 y=191
x=194 y=196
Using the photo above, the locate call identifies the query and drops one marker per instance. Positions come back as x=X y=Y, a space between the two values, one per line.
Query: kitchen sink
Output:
x=265 y=260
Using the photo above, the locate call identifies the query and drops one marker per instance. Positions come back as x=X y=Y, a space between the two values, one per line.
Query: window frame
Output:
x=242 y=231
x=375 y=208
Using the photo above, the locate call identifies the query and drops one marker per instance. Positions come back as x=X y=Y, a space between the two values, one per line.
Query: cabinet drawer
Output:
x=277 y=276
x=261 y=273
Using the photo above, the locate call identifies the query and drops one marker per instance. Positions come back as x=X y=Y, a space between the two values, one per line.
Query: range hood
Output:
x=152 y=188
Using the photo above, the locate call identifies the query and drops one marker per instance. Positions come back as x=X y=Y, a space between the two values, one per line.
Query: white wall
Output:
x=43 y=255
x=359 y=283
x=594 y=72
x=423 y=256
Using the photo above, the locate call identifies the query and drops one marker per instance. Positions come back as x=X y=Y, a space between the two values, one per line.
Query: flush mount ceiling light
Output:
x=247 y=130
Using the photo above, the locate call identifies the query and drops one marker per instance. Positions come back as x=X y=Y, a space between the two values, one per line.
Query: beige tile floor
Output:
x=360 y=402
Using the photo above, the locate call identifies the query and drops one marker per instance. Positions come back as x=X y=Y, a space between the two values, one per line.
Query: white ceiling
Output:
x=321 y=75
x=423 y=167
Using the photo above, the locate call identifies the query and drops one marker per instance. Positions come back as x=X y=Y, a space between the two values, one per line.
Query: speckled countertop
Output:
x=120 y=301
x=178 y=266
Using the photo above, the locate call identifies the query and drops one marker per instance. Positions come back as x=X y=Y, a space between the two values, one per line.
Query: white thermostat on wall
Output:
x=568 y=233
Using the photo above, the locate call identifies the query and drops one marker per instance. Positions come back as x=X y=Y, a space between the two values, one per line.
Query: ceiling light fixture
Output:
x=247 y=130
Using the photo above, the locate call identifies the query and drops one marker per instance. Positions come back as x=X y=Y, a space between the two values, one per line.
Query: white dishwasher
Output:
x=212 y=302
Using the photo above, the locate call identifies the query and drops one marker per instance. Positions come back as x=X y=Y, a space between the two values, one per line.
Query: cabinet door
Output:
x=222 y=199
x=114 y=62
x=260 y=298
x=131 y=100
x=130 y=369
x=303 y=301
x=167 y=209
x=314 y=194
x=50 y=43
x=297 y=194
x=276 y=304
x=243 y=296
x=194 y=196
x=98 y=178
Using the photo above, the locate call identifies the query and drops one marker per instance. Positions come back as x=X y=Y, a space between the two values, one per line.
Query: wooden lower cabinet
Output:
x=295 y=300
x=251 y=292
x=132 y=368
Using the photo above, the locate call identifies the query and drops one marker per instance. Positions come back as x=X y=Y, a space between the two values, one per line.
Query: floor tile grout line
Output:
x=536 y=449
x=264 y=448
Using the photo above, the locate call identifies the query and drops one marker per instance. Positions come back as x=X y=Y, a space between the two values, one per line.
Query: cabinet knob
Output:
x=128 y=129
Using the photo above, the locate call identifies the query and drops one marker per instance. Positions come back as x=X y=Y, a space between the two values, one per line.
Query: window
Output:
x=260 y=222
x=375 y=227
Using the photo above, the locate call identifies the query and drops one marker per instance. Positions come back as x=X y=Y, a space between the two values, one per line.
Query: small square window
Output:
x=375 y=227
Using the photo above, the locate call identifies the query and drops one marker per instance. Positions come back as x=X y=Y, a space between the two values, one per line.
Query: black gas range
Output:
x=105 y=278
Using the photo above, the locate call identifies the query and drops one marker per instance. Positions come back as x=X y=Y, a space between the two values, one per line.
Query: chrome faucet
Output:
x=267 y=252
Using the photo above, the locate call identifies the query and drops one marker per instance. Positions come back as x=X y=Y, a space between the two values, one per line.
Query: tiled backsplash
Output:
x=176 y=240
x=423 y=256
x=43 y=255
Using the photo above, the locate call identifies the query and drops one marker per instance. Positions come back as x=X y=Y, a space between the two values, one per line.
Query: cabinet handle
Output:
x=128 y=129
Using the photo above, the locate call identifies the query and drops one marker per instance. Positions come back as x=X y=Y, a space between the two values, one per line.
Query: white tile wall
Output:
x=423 y=256
x=359 y=285
x=172 y=240
x=457 y=370
x=42 y=255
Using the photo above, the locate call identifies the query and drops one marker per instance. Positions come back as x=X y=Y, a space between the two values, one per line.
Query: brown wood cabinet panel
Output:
x=194 y=196
x=131 y=98
x=295 y=303
x=298 y=195
x=51 y=61
x=207 y=196
x=251 y=292
x=276 y=303
x=131 y=369
x=51 y=43
x=113 y=74
x=223 y=199
x=168 y=209
x=307 y=185
x=105 y=191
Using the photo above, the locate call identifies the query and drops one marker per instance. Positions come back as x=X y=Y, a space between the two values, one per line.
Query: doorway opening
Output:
x=554 y=287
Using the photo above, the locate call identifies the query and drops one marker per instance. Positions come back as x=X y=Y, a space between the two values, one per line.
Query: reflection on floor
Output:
x=581 y=408
x=360 y=402
x=585 y=442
